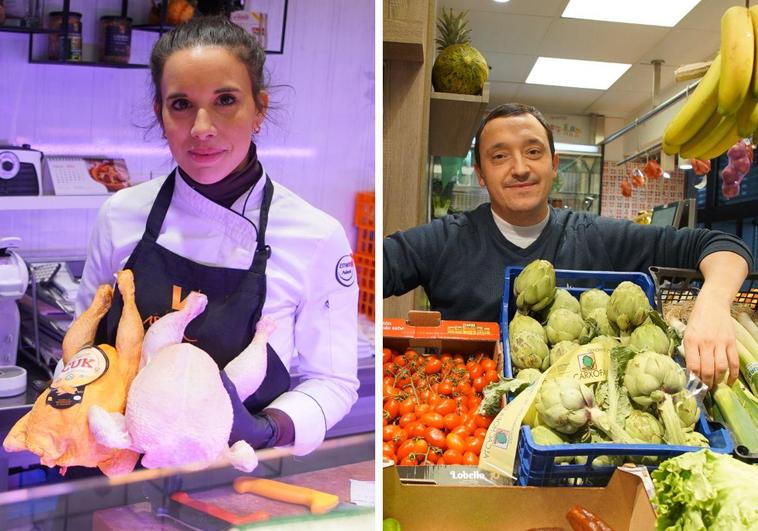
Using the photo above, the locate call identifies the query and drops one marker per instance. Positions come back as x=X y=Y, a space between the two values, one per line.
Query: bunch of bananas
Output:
x=724 y=106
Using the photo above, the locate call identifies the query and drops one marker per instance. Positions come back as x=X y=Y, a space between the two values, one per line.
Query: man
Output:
x=459 y=260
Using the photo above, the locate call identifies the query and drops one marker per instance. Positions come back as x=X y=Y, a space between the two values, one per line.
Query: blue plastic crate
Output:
x=575 y=282
x=536 y=464
x=537 y=467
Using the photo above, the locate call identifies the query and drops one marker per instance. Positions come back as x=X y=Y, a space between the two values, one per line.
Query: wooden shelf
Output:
x=52 y=202
x=403 y=40
x=453 y=120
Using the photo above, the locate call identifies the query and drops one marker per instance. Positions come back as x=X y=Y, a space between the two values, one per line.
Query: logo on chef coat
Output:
x=345 y=271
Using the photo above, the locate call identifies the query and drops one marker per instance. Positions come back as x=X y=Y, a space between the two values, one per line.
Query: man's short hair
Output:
x=512 y=109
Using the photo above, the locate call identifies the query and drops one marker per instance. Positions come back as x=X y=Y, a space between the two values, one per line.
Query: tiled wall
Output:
x=320 y=142
x=615 y=205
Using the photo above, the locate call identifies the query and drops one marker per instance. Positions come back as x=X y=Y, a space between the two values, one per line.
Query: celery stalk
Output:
x=748 y=366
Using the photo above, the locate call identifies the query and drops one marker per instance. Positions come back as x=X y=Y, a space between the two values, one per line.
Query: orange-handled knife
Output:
x=318 y=502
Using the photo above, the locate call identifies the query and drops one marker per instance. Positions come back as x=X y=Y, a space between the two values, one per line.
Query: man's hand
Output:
x=709 y=343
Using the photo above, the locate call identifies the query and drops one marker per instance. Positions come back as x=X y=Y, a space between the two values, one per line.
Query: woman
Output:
x=218 y=224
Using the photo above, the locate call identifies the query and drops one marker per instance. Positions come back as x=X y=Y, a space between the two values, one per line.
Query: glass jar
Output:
x=115 y=39
x=58 y=42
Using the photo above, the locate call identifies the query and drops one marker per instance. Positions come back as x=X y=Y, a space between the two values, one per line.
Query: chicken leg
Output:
x=248 y=369
x=169 y=329
x=83 y=329
x=130 y=332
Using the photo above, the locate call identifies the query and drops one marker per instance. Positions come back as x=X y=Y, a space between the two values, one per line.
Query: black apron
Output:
x=235 y=296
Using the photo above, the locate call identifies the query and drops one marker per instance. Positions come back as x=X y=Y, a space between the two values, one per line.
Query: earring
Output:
x=256 y=129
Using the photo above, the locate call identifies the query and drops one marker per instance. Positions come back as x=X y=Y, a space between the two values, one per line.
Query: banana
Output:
x=747 y=115
x=696 y=110
x=707 y=135
x=737 y=53
x=668 y=149
x=754 y=20
x=731 y=137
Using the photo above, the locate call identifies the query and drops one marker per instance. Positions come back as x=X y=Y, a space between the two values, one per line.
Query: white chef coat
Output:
x=311 y=284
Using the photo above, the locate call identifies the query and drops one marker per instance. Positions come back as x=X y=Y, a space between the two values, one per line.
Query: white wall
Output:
x=321 y=144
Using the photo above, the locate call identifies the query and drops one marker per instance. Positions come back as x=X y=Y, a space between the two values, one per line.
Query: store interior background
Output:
x=511 y=36
x=319 y=141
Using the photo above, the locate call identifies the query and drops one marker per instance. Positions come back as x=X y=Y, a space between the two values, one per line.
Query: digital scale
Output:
x=14 y=277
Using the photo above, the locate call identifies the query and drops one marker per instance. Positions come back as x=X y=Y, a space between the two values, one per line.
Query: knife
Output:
x=318 y=502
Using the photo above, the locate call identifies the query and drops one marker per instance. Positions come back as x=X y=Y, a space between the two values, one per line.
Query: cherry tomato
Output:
x=464 y=389
x=475 y=371
x=482 y=421
x=388 y=450
x=446 y=356
x=432 y=366
x=435 y=437
x=488 y=364
x=434 y=420
x=386 y=355
x=406 y=406
x=474 y=444
x=480 y=432
x=492 y=376
x=406 y=419
x=400 y=436
x=455 y=442
x=416 y=429
x=408 y=461
x=391 y=406
x=445 y=388
x=445 y=406
x=470 y=458
x=452 y=421
x=405 y=448
x=458 y=359
x=441 y=460
x=480 y=383
x=452 y=457
x=389 y=431
x=462 y=430
x=421 y=409
x=400 y=361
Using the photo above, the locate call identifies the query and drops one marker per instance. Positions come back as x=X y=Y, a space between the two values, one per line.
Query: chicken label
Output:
x=83 y=368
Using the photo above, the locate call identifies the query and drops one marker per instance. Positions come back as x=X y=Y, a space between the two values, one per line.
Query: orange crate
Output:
x=365 y=242
x=364 y=210
x=364 y=265
x=366 y=302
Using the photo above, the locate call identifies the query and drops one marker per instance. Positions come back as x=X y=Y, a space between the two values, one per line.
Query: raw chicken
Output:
x=178 y=411
x=57 y=428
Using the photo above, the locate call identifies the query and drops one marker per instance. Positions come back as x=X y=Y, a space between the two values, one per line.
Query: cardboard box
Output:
x=624 y=505
x=424 y=331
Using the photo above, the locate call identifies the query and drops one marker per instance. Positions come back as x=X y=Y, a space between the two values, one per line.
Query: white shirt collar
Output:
x=522 y=237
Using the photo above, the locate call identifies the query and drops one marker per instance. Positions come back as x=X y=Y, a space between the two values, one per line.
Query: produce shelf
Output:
x=403 y=40
x=453 y=119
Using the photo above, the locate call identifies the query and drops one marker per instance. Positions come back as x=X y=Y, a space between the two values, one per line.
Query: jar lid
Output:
x=60 y=13
x=115 y=17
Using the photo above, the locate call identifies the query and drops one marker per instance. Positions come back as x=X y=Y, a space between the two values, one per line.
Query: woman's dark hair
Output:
x=210 y=31
x=512 y=109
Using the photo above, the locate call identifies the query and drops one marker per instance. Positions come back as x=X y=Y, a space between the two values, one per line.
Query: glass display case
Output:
x=453 y=185
x=212 y=498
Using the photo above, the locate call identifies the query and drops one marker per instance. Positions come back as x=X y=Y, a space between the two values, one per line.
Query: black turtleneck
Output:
x=226 y=191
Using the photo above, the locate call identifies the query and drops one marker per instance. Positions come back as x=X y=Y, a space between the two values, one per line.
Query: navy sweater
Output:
x=460 y=259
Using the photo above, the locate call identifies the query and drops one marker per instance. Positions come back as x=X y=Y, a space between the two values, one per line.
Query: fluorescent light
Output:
x=502 y=1
x=684 y=164
x=577 y=148
x=647 y=12
x=575 y=73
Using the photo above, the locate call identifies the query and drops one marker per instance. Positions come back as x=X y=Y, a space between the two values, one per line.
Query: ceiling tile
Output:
x=684 y=46
x=557 y=99
x=497 y=32
x=509 y=67
x=706 y=15
x=598 y=41
x=502 y=93
x=547 y=8
x=618 y=103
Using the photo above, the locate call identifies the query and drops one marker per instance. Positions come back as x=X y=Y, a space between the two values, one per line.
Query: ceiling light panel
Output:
x=575 y=73
x=665 y=13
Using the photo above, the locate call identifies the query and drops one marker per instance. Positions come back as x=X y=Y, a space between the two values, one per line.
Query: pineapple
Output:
x=459 y=67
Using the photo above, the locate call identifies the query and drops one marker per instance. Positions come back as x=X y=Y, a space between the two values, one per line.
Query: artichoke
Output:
x=524 y=323
x=628 y=306
x=534 y=287
x=563 y=325
x=544 y=436
x=528 y=375
x=686 y=409
x=653 y=378
x=644 y=427
x=695 y=438
x=592 y=299
x=566 y=405
x=559 y=349
x=564 y=300
x=650 y=337
x=607 y=342
x=529 y=351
